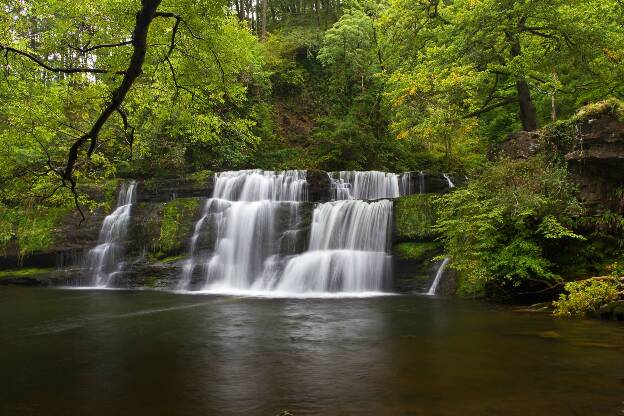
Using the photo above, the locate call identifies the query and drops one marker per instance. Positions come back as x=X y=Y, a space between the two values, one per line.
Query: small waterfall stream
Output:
x=104 y=260
x=438 y=277
x=451 y=185
x=365 y=185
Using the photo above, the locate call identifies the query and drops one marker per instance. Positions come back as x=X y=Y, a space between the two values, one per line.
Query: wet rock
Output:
x=163 y=190
x=319 y=186
x=612 y=311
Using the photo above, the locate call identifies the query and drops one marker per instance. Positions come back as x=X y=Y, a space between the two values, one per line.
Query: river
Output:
x=112 y=352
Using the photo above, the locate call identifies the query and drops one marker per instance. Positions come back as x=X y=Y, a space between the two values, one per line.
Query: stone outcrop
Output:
x=519 y=145
x=596 y=162
x=592 y=144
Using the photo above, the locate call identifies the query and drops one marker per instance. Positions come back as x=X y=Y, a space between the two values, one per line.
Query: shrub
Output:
x=586 y=296
x=501 y=228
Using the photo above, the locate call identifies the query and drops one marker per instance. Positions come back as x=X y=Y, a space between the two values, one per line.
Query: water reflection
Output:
x=147 y=353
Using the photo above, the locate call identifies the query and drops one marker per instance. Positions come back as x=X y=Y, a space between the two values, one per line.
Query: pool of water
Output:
x=70 y=352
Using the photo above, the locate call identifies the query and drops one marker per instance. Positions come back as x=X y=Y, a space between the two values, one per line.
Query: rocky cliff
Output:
x=592 y=145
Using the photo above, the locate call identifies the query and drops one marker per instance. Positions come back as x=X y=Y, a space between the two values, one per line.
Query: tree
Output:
x=453 y=62
x=101 y=60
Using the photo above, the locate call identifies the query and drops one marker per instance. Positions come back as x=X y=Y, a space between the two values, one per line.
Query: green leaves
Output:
x=497 y=229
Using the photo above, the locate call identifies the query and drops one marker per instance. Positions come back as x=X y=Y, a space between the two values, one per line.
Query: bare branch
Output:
x=43 y=64
x=86 y=49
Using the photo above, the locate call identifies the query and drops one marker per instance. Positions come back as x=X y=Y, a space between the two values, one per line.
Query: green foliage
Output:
x=499 y=229
x=414 y=217
x=586 y=296
x=453 y=66
x=176 y=225
x=416 y=251
x=32 y=229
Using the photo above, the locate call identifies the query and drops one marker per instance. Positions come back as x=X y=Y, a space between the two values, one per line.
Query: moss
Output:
x=33 y=229
x=612 y=106
x=414 y=217
x=150 y=281
x=416 y=251
x=176 y=226
x=27 y=272
x=201 y=176
x=173 y=259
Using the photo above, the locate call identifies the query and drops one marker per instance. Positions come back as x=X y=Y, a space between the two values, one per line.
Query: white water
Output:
x=448 y=180
x=240 y=219
x=254 y=217
x=348 y=250
x=438 y=277
x=364 y=185
x=421 y=183
x=105 y=259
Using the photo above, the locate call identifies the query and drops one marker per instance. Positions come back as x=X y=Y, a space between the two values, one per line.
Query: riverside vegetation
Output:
x=97 y=92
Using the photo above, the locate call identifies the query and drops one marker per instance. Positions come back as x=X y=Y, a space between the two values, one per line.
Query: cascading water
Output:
x=104 y=260
x=364 y=185
x=242 y=216
x=438 y=277
x=348 y=250
x=449 y=181
x=248 y=237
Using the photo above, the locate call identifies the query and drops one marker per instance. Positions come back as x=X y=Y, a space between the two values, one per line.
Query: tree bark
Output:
x=263 y=32
x=528 y=116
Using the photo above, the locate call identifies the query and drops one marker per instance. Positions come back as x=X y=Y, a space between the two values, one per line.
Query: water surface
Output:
x=68 y=352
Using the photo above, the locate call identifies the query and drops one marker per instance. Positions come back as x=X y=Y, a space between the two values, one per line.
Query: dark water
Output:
x=146 y=353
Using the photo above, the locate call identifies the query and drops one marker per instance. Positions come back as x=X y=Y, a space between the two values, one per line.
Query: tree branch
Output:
x=43 y=64
x=491 y=107
x=86 y=49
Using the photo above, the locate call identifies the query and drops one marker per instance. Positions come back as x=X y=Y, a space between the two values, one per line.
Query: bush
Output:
x=586 y=296
x=501 y=228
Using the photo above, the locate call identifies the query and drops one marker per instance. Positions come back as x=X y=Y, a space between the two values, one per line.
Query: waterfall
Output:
x=242 y=218
x=104 y=260
x=421 y=183
x=249 y=237
x=448 y=180
x=438 y=277
x=405 y=183
x=348 y=250
x=364 y=185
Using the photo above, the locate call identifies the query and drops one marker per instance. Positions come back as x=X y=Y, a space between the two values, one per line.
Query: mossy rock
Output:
x=176 y=227
x=414 y=218
x=30 y=272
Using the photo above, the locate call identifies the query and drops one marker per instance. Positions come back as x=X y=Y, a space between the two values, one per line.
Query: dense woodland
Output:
x=97 y=90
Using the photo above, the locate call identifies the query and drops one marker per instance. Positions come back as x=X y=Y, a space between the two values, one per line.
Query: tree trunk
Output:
x=528 y=116
x=264 y=20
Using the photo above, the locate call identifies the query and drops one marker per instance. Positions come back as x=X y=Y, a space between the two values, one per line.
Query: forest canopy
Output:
x=92 y=90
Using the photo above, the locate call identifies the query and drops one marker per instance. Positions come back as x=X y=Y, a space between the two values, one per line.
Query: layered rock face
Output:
x=596 y=163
